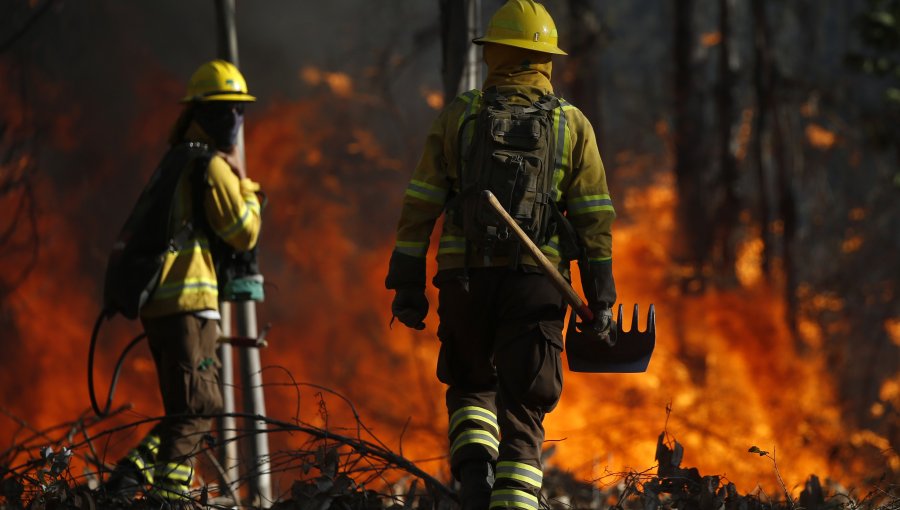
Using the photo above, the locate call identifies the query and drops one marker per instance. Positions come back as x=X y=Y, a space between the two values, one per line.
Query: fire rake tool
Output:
x=627 y=352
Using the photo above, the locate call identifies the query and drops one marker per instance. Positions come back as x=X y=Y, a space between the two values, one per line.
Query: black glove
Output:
x=411 y=307
x=406 y=275
x=603 y=327
x=600 y=290
x=405 y=272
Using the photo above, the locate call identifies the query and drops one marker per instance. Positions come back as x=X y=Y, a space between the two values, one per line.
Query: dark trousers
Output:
x=184 y=349
x=500 y=357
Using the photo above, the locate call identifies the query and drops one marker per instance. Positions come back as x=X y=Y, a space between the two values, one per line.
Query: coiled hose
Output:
x=115 y=378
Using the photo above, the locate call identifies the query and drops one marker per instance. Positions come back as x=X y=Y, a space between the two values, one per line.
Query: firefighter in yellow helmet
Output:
x=501 y=320
x=180 y=318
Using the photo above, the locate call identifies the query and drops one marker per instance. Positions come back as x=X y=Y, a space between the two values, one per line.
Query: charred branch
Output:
x=343 y=472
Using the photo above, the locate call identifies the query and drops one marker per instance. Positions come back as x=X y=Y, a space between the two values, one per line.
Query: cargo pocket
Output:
x=204 y=394
x=530 y=368
x=546 y=387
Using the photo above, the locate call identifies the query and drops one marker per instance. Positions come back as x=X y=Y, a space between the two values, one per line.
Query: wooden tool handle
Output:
x=568 y=293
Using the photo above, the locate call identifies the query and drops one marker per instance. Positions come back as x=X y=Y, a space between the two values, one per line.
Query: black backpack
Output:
x=511 y=154
x=137 y=257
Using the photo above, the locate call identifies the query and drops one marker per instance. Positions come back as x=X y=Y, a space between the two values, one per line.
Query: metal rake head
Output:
x=651 y=322
x=630 y=353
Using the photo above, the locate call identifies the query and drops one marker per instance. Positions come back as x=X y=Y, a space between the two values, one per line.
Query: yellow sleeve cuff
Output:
x=249 y=187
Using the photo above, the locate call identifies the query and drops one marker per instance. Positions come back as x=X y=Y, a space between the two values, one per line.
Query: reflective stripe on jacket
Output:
x=579 y=182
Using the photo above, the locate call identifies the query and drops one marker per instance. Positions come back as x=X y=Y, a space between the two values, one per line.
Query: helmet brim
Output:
x=235 y=97
x=518 y=43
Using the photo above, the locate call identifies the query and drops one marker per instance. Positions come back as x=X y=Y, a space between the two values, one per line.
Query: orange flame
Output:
x=724 y=359
x=820 y=137
x=710 y=39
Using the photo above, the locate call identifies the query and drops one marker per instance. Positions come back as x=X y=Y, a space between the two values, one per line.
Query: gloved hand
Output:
x=603 y=327
x=411 y=307
x=406 y=275
x=600 y=291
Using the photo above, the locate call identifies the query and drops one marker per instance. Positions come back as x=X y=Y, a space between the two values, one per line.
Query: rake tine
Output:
x=651 y=320
x=619 y=318
x=635 y=327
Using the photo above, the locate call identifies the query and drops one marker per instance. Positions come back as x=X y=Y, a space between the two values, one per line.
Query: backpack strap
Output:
x=198 y=155
x=548 y=102
x=199 y=172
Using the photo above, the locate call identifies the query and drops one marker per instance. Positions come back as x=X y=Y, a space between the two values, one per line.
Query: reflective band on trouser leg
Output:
x=144 y=456
x=513 y=498
x=520 y=473
x=173 y=482
x=473 y=425
x=474 y=413
x=476 y=436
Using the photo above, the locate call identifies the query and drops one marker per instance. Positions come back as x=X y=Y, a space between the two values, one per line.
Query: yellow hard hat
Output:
x=523 y=24
x=217 y=80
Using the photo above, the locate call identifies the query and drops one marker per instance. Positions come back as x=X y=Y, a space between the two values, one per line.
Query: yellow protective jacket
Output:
x=579 y=178
x=188 y=280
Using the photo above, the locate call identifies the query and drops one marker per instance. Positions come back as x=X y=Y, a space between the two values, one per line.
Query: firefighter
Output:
x=180 y=318
x=501 y=320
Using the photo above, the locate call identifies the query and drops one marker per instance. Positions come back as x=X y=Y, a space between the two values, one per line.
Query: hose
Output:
x=115 y=378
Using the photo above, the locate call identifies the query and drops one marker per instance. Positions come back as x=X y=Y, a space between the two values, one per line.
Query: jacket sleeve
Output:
x=231 y=206
x=423 y=203
x=590 y=210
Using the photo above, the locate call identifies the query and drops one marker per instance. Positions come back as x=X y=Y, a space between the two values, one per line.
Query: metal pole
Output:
x=255 y=404
x=250 y=366
x=228 y=425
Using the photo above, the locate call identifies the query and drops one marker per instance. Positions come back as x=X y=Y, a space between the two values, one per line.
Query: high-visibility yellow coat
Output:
x=579 y=179
x=188 y=282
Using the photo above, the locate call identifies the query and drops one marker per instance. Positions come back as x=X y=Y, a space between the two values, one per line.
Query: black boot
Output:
x=124 y=482
x=476 y=480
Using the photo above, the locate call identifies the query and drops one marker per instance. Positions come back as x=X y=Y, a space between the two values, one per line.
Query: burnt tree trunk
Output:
x=787 y=145
x=580 y=75
x=728 y=209
x=689 y=168
x=454 y=46
x=762 y=81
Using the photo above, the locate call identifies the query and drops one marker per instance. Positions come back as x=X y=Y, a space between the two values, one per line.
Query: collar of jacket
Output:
x=521 y=70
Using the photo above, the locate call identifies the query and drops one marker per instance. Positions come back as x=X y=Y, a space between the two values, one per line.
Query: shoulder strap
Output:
x=198 y=157
x=548 y=102
x=199 y=171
